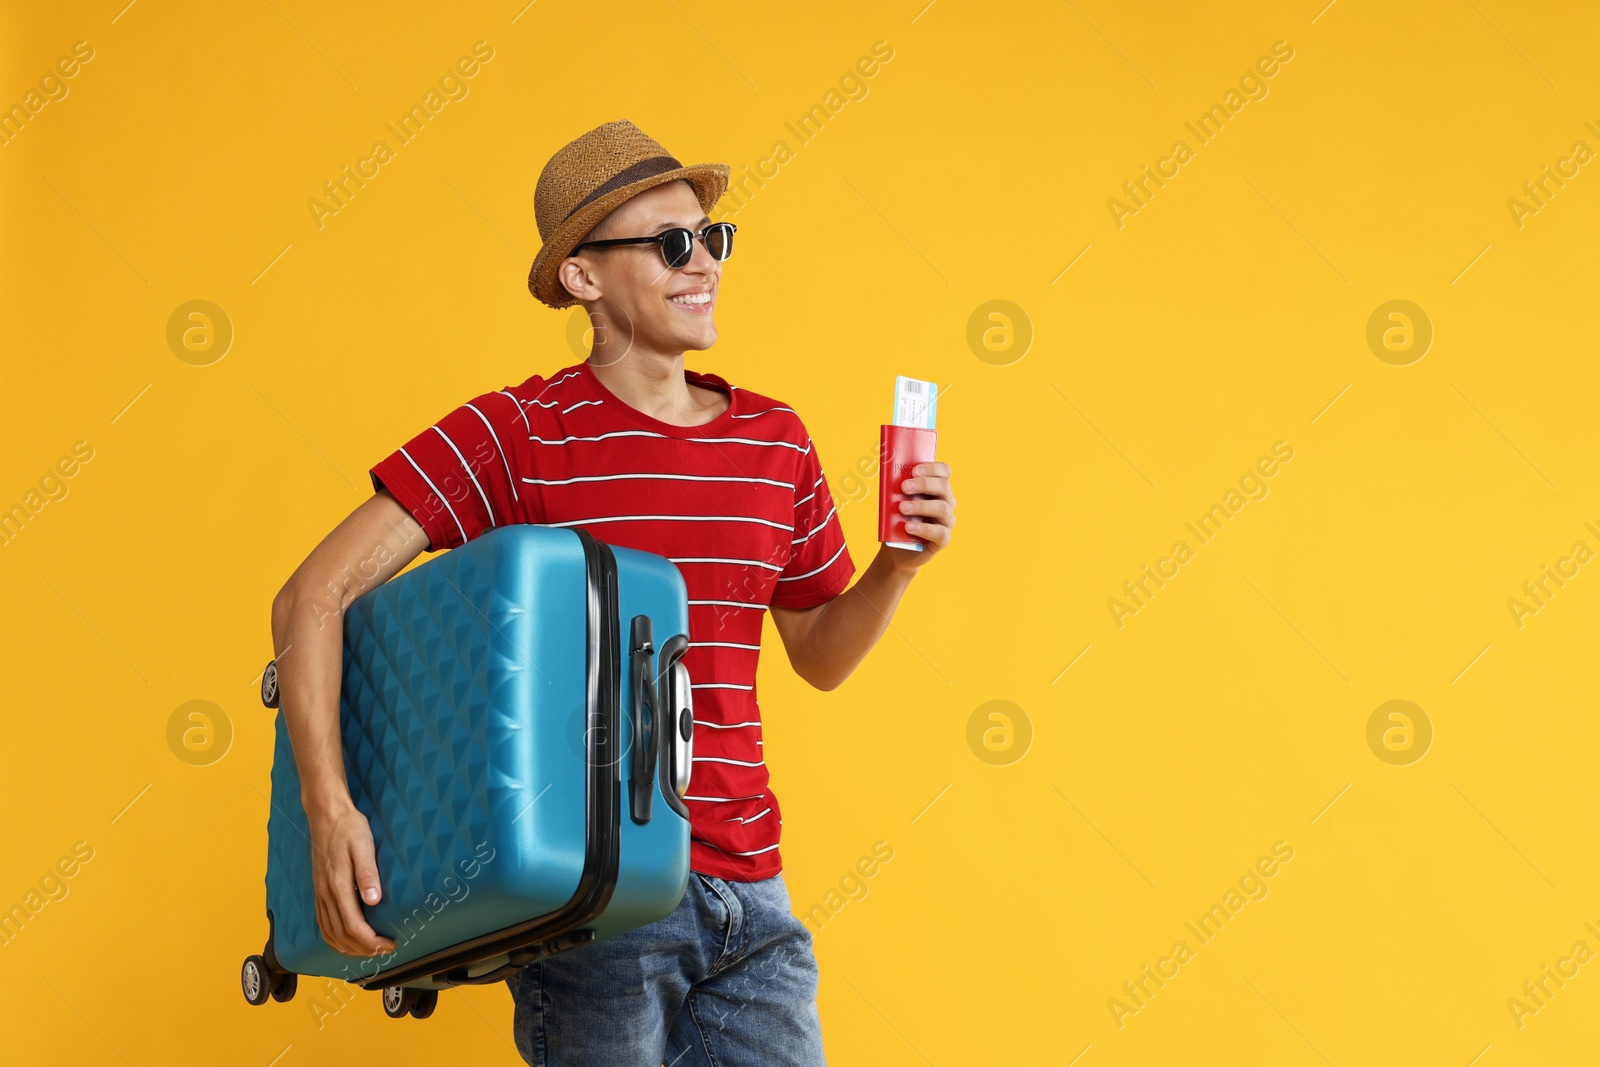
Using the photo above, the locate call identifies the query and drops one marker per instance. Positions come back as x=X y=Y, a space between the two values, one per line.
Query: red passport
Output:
x=899 y=449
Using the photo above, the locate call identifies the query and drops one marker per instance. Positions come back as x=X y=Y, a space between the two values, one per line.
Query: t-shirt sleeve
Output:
x=820 y=567
x=462 y=476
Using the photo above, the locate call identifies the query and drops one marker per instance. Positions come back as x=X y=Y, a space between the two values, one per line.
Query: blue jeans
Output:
x=727 y=980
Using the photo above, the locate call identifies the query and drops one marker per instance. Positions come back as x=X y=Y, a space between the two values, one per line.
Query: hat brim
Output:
x=710 y=181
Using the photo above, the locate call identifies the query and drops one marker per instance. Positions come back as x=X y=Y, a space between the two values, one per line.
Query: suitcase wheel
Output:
x=255 y=980
x=261 y=983
x=400 y=1001
x=269 y=684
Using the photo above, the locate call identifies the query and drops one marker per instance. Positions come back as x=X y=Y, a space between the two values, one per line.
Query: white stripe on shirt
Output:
x=725 y=852
x=481 y=494
x=671 y=477
x=814 y=485
x=665 y=437
x=551 y=385
x=677 y=518
x=818 y=528
x=819 y=570
x=722 y=559
x=436 y=492
x=499 y=447
x=520 y=409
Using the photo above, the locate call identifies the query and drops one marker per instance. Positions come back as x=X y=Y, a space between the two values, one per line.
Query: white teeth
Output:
x=692 y=298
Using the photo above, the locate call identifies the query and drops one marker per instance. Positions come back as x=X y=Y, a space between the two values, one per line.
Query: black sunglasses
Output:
x=677 y=245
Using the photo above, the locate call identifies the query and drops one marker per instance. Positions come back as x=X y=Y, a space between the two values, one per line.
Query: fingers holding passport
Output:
x=936 y=508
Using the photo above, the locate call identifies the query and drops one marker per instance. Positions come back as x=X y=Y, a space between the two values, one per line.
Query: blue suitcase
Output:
x=520 y=745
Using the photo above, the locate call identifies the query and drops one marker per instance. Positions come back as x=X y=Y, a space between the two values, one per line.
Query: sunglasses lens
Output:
x=719 y=240
x=677 y=246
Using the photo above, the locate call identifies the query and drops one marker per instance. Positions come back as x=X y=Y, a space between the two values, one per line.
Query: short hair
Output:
x=600 y=231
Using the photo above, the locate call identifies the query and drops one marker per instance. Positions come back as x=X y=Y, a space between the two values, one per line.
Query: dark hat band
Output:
x=647 y=168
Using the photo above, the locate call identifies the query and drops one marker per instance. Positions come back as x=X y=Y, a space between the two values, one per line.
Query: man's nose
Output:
x=702 y=261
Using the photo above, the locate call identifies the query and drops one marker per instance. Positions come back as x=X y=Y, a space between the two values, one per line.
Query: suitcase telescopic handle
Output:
x=641 y=781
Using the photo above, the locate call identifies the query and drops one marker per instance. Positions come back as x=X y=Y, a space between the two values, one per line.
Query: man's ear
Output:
x=575 y=276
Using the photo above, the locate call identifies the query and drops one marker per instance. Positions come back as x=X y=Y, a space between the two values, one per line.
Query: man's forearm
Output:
x=850 y=624
x=311 y=648
x=368 y=548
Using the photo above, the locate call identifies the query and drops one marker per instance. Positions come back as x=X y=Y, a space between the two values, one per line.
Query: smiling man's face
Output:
x=633 y=284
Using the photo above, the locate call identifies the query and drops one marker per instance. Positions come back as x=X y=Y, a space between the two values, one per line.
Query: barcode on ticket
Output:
x=915 y=402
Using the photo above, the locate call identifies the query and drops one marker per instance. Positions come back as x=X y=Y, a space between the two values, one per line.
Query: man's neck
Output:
x=654 y=384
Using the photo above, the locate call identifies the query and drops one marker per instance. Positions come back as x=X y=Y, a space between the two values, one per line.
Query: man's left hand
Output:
x=929 y=520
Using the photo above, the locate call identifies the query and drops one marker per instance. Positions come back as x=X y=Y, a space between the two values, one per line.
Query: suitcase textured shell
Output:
x=464 y=713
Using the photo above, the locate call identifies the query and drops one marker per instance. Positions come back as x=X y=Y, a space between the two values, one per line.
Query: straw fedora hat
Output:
x=589 y=178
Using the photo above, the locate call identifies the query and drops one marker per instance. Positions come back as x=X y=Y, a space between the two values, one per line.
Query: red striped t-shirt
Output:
x=738 y=504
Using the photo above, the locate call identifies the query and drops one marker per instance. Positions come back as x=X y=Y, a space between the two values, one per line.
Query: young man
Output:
x=645 y=454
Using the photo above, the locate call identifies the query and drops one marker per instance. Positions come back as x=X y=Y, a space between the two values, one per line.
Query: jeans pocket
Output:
x=715 y=898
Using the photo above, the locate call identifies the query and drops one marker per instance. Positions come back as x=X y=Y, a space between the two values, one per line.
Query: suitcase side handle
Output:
x=642 y=779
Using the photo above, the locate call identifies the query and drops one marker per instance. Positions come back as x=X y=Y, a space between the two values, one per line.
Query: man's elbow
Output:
x=282 y=609
x=299 y=597
x=820 y=677
x=826 y=685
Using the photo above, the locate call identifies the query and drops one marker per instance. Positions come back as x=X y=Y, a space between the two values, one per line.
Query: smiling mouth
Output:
x=693 y=303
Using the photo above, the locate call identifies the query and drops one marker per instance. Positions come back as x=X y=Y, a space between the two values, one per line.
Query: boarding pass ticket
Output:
x=915 y=402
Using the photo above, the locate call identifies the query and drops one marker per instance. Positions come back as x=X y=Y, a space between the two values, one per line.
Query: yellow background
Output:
x=1226 y=315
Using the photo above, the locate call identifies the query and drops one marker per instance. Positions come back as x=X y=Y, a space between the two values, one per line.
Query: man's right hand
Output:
x=343 y=863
